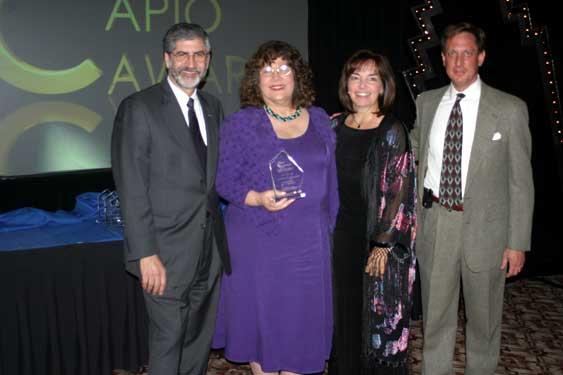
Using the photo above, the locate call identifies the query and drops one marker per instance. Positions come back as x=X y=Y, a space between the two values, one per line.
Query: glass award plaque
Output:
x=287 y=176
x=108 y=209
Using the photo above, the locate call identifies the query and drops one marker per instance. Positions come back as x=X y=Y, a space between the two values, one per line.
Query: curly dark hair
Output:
x=267 y=53
x=382 y=67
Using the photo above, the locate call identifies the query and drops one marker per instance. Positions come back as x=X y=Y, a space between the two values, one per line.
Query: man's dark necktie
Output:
x=196 y=134
x=450 y=179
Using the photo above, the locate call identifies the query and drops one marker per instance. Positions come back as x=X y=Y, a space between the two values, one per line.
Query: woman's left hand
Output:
x=268 y=200
x=272 y=203
x=377 y=261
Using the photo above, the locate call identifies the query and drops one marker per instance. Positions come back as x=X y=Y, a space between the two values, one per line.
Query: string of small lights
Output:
x=418 y=46
x=538 y=36
x=423 y=70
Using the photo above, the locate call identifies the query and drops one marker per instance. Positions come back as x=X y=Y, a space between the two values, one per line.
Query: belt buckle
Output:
x=455 y=207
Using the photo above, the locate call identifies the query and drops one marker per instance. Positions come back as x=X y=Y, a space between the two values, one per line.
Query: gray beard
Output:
x=188 y=84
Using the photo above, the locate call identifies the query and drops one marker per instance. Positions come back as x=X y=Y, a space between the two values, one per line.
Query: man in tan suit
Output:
x=475 y=195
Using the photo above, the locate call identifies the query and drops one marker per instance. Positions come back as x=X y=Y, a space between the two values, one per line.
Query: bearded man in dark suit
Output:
x=164 y=156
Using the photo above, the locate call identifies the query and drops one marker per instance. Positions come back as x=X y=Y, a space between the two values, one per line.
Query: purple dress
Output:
x=276 y=306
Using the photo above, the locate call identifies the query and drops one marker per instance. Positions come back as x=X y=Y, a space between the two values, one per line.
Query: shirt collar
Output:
x=180 y=95
x=473 y=92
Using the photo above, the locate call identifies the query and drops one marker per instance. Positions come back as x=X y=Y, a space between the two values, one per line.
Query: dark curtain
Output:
x=51 y=191
x=338 y=28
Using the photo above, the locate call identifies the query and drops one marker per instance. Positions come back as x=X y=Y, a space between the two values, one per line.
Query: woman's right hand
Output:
x=377 y=262
x=267 y=199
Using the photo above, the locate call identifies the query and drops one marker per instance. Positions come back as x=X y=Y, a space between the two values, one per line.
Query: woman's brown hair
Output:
x=382 y=68
x=267 y=53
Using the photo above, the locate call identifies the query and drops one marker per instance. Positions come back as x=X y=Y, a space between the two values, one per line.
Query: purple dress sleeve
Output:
x=333 y=193
x=231 y=182
x=323 y=123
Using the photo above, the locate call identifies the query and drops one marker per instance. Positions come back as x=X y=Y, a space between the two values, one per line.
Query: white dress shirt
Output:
x=182 y=99
x=469 y=108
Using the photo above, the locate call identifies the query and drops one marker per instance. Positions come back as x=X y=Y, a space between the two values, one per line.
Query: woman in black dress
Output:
x=373 y=256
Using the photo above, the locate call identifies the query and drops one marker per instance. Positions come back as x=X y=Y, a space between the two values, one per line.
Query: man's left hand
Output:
x=514 y=259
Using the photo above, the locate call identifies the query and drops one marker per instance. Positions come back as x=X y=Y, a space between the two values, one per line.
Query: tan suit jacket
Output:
x=499 y=193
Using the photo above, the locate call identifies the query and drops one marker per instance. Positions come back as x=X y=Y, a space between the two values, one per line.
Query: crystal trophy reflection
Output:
x=108 y=209
x=287 y=176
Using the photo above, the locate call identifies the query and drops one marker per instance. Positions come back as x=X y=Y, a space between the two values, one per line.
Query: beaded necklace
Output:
x=281 y=118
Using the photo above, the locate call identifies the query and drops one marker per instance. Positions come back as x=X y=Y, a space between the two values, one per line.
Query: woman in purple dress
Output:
x=275 y=309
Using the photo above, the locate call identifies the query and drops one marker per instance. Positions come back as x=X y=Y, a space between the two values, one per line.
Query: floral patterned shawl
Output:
x=389 y=187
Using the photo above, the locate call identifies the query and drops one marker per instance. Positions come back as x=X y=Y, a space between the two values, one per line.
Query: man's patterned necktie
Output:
x=450 y=179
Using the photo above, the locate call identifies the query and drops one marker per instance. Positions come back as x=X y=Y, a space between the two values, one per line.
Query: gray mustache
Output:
x=190 y=70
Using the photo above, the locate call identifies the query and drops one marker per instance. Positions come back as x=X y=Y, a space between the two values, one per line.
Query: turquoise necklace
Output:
x=293 y=116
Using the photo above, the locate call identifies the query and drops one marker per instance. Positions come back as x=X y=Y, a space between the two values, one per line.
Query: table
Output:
x=70 y=310
x=31 y=228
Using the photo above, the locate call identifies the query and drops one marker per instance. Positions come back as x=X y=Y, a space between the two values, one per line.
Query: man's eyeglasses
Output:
x=283 y=70
x=198 y=56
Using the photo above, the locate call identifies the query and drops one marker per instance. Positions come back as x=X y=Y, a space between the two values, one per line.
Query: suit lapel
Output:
x=487 y=119
x=430 y=106
x=211 y=128
x=176 y=122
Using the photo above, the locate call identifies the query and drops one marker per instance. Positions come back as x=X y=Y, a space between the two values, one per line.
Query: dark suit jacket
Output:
x=168 y=201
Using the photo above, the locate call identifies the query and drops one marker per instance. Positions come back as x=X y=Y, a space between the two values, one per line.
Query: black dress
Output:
x=377 y=203
x=349 y=248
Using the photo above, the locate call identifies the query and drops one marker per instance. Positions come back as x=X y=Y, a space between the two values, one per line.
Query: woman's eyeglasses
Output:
x=282 y=70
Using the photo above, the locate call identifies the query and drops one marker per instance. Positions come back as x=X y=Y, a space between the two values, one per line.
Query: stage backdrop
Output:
x=65 y=65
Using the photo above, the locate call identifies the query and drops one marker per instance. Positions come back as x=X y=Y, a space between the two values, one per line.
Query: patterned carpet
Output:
x=532 y=334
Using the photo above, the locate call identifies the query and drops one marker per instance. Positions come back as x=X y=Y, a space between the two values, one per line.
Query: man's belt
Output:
x=455 y=207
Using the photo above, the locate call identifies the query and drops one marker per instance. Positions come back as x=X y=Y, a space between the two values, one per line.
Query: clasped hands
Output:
x=377 y=261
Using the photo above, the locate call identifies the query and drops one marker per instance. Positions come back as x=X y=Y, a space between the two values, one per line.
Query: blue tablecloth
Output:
x=31 y=228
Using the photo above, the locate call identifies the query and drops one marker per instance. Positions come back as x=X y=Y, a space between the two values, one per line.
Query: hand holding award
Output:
x=287 y=176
